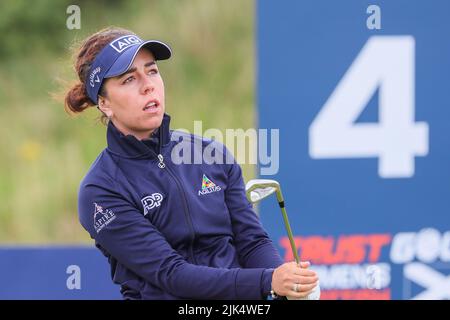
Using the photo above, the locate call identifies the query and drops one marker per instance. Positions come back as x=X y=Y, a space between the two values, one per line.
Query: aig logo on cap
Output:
x=124 y=42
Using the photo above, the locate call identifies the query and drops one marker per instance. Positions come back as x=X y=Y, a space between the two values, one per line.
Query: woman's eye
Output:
x=153 y=71
x=127 y=80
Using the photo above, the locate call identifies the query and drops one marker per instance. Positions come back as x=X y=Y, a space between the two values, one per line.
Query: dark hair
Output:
x=76 y=99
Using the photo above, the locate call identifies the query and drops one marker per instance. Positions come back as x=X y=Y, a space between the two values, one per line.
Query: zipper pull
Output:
x=161 y=163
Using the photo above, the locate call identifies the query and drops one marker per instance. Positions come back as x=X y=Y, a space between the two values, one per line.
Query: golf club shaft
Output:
x=290 y=236
x=287 y=226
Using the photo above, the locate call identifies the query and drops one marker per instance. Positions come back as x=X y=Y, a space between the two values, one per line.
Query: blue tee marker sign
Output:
x=359 y=93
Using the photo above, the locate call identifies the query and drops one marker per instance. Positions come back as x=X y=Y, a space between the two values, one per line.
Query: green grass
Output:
x=45 y=153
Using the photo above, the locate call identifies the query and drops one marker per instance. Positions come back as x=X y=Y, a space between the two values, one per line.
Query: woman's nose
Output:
x=147 y=86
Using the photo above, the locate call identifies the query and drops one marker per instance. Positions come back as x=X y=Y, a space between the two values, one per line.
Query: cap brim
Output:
x=160 y=51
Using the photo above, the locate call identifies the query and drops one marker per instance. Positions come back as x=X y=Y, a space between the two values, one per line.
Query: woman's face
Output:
x=134 y=101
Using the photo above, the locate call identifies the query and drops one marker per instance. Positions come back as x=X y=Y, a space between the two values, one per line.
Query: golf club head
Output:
x=258 y=189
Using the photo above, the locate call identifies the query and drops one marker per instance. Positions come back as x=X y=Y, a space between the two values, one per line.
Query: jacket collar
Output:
x=128 y=146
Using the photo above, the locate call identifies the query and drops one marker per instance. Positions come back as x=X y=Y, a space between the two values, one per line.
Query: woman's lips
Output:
x=151 y=107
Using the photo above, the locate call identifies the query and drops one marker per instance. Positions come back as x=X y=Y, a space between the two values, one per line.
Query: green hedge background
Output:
x=45 y=152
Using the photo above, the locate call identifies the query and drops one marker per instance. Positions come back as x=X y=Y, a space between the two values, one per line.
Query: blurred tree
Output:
x=27 y=26
x=45 y=155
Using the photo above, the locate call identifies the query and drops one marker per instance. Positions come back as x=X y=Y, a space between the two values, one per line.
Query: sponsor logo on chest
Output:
x=152 y=201
x=208 y=186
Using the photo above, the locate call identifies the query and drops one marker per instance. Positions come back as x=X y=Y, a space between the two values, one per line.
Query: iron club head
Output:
x=258 y=189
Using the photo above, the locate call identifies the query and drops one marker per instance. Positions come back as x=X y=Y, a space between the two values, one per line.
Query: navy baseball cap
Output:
x=117 y=57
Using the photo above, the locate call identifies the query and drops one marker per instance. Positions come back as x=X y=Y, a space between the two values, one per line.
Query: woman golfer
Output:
x=170 y=230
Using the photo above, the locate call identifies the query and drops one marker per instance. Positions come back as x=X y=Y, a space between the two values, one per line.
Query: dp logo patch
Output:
x=152 y=201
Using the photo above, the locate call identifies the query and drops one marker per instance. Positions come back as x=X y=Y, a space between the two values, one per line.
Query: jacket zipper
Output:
x=162 y=165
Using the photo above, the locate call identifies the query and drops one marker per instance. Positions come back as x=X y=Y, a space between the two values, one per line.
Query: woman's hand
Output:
x=294 y=281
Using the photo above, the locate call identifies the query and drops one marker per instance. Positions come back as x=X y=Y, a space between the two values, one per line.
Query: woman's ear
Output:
x=105 y=106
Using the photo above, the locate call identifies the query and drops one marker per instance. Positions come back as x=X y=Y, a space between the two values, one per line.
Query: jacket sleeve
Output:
x=255 y=248
x=121 y=230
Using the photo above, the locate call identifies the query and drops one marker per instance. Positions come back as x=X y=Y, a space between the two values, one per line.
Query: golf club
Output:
x=258 y=189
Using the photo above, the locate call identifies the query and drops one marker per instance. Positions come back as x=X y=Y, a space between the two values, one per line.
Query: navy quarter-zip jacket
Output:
x=175 y=231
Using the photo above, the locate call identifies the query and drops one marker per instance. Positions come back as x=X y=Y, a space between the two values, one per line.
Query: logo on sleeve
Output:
x=152 y=201
x=102 y=217
x=208 y=186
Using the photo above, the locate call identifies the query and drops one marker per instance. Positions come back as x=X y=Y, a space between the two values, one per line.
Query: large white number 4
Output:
x=387 y=63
